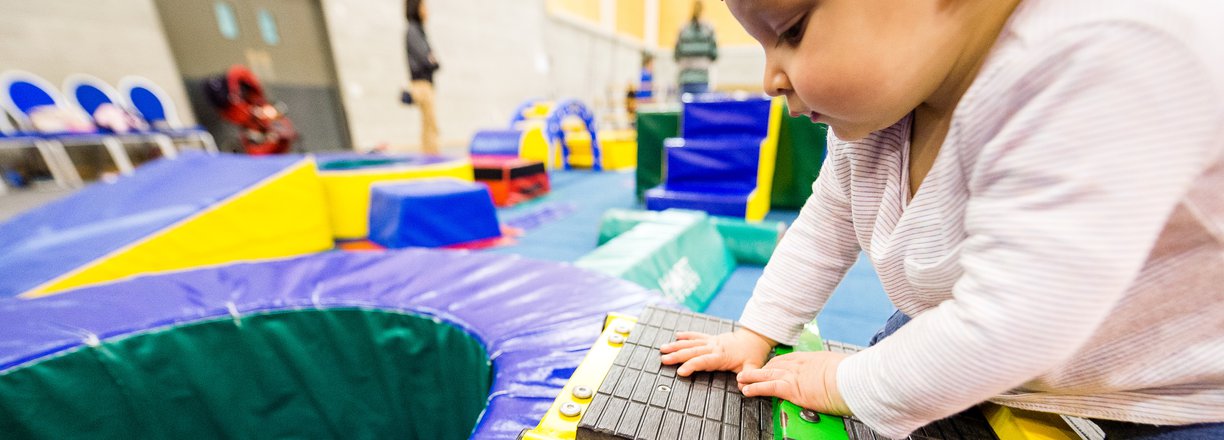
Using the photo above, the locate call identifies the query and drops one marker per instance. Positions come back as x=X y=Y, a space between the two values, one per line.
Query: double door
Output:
x=284 y=42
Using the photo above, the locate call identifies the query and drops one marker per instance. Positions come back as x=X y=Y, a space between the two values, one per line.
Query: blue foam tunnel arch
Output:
x=534 y=320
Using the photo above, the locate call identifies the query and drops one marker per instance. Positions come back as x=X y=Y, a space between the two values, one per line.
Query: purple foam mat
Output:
x=536 y=319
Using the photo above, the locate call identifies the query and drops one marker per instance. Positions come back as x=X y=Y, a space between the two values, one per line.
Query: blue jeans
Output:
x=894 y=322
x=694 y=88
x=1114 y=430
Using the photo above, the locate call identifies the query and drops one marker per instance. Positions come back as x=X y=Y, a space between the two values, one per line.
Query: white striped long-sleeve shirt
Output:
x=1065 y=252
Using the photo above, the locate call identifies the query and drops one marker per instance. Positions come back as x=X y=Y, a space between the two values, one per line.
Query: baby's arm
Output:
x=814 y=255
x=812 y=258
x=1066 y=201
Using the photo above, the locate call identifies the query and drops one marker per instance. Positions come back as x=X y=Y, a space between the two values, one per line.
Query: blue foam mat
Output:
x=48 y=241
x=536 y=319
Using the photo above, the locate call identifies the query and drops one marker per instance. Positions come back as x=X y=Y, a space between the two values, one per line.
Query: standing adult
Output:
x=695 y=51
x=421 y=66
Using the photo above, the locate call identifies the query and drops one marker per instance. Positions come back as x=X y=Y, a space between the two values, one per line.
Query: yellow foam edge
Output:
x=591 y=372
x=281 y=216
x=759 y=200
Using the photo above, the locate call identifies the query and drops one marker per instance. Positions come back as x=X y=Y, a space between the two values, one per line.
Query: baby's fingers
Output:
x=705 y=362
x=747 y=377
x=680 y=345
x=680 y=336
x=781 y=389
x=687 y=354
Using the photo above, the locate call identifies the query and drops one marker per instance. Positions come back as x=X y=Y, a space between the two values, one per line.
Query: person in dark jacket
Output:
x=421 y=66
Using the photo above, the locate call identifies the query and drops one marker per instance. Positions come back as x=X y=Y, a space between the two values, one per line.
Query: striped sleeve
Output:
x=811 y=260
x=1066 y=201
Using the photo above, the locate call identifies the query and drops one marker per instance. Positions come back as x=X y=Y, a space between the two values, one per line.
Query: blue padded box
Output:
x=727 y=202
x=431 y=213
x=726 y=162
x=721 y=118
x=715 y=175
x=714 y=167
x=496 y=143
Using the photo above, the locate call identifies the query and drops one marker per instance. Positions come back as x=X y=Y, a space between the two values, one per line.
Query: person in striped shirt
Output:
x=1036 y=183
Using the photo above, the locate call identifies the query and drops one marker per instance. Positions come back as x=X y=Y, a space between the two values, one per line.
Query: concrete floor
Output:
x=16 y=202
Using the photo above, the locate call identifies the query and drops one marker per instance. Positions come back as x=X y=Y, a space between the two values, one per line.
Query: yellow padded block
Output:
x=580 y=150
x=283 y=215
x=533 y=145
x=618 y=149
x=1018 y=424
x=348 y=191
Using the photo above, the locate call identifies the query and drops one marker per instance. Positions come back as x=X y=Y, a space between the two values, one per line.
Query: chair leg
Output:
x=119 y=154
x=60 y=164
x=166 y=145
x=210 y=144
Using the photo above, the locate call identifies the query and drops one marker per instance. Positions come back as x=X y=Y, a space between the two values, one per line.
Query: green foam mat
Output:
x=338 y=373
x=801 y=152
x=653 y=126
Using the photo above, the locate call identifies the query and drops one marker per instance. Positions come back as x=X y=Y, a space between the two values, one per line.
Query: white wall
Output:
x=737 y=68
x=104 y=38
x=494 y=55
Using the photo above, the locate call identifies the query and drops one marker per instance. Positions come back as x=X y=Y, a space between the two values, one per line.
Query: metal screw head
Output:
x=622 y=328
x=582 y=392
x=810 y=416
x=616 y=339
x=570 y=409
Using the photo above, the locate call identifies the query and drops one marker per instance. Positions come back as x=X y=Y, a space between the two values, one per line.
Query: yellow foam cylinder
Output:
x=281 y=216
x=348 y=191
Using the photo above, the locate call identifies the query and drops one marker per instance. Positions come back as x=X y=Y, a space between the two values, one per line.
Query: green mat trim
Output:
x=338 y=373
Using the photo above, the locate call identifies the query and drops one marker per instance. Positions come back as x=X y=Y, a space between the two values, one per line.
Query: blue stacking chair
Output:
x=88 y=93
x=50 y=151
x=22 y=92
x=151 y=103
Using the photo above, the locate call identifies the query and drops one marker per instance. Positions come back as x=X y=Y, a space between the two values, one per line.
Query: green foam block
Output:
x=679 y=253
x=749 y=243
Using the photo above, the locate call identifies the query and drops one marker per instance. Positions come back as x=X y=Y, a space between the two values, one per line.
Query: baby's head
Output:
x=859 y=65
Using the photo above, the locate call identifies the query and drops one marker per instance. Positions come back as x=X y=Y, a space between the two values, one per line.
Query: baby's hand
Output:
x=737 y=351
x=807 y=379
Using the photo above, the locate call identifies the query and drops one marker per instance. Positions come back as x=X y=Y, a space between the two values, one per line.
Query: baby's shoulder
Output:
x=1192 y=23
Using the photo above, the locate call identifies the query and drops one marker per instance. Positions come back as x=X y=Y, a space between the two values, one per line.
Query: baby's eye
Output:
x=794 y=34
